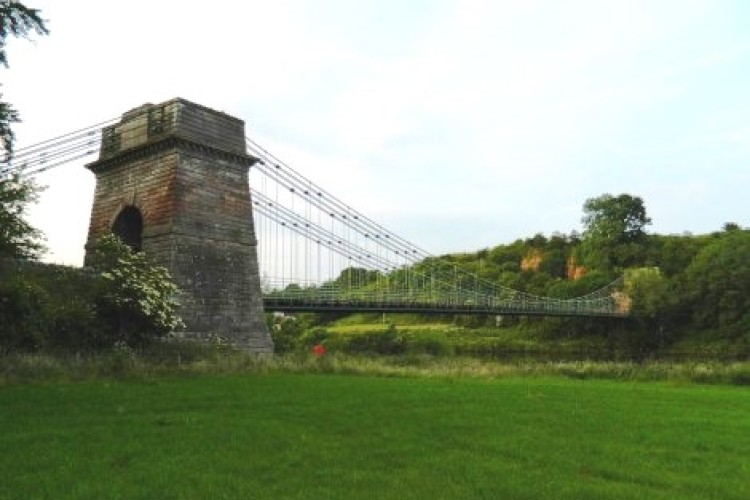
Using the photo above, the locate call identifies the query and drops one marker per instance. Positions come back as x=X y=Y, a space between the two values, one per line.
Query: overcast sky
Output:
x=457 y=124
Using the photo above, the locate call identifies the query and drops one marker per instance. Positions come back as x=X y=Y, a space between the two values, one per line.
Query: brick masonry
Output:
x=185 y=168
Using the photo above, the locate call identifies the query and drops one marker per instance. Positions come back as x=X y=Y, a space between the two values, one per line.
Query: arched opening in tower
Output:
x=128 y=226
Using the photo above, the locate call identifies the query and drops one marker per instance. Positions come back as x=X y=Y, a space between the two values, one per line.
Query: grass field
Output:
x=336 y=436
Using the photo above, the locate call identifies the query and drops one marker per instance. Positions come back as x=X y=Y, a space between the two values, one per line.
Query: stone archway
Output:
x=128 y=226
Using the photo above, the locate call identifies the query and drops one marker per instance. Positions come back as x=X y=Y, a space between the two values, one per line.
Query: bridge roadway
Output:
x=525 y=308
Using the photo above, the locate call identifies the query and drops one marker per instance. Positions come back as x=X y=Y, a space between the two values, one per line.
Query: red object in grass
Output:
x=318 y=350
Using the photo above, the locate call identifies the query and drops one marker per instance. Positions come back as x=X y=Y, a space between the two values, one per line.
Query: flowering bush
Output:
x=137 y=294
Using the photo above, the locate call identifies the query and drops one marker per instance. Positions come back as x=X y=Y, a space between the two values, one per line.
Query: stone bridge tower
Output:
x=172 y=181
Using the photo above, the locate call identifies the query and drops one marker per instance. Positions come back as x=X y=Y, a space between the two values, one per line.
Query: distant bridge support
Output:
x=172 y=180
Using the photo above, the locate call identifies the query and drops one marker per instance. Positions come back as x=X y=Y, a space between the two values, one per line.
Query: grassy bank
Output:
x=510 y=341
x=331 y=436
x=171 y=360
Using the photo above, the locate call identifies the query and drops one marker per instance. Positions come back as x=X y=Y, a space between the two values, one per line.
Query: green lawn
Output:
x=336 y=436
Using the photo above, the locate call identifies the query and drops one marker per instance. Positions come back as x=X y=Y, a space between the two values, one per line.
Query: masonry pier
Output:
x=172 y=181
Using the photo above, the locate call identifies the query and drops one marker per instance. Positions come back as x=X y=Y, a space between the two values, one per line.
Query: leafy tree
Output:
x=717 y=285
x=555 y=263
x=8 y=116
x=569 y=289
x=538 y=241
x=508 y=254
x=356 y=276
x=124 y=299
x=648 y=291
x=137 y=294
x=17 y=238
x=652 y=303
x=48 y=307
x=15 y=20
x=672 y=254
x=620 y=219
x=614 y=234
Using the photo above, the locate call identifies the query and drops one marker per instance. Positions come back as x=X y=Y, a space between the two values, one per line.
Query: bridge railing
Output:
x=333 y=295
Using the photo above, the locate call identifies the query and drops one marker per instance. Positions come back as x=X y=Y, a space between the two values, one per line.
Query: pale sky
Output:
x=457 y=124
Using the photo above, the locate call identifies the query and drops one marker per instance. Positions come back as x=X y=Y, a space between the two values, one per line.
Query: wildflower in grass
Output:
x=318 y=350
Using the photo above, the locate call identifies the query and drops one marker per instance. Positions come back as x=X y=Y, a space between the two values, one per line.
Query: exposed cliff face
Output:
x=623 y=301
x=532 y=260
x=574 y=271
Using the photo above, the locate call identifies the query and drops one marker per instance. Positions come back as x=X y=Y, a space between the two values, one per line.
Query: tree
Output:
x=717 y=285
x=614 y=234
x=672 y=254
x=652 y=301
x=620 y=219
x=15 y=20
x=17 y=238
x=555 y=263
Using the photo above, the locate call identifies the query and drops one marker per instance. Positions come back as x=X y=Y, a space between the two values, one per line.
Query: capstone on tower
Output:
x=172 y=181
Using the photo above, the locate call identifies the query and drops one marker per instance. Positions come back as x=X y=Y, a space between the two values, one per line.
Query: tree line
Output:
x=678 y=286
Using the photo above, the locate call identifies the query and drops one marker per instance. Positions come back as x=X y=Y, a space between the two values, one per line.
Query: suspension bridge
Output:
x=318 y=253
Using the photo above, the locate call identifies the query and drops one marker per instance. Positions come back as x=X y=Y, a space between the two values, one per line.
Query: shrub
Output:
x=136 y=295
x=312 y=337
x=286 y=332
x=22 y=312
x=433 y=343
x=51 y=307
x=384 y=342
x=741 y=375
x=45 y=306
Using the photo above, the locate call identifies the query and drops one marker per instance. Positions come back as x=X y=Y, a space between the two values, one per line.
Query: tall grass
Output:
x=192 y=359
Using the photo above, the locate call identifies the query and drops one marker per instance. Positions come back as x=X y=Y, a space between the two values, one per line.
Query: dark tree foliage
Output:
x=17 y=238
x=716 y=286
x=672 y=254
x=554 y=263
x=124 y=300
x=653 y=304
x=8 y=116
x=50 y=307
x=19 y=21
x=538 y=241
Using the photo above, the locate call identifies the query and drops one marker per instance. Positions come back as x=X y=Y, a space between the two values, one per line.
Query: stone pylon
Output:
x=172 y=181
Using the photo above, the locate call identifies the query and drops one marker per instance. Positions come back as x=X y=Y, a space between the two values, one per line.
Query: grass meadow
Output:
x=323 y=435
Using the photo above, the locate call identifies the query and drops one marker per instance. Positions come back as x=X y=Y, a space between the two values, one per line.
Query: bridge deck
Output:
x=510 y=308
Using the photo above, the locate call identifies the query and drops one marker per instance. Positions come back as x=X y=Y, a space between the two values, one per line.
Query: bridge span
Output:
x=184 y=184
